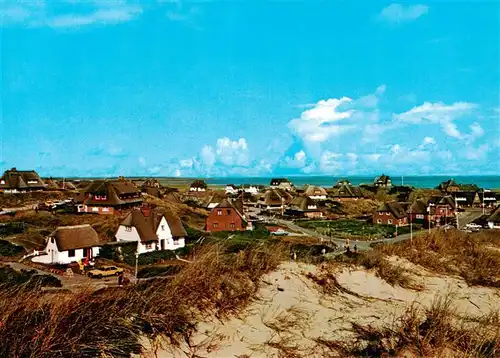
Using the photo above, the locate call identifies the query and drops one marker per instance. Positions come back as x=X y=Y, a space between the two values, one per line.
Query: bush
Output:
x=8 y=249
x=152 y=271
x=10 y=278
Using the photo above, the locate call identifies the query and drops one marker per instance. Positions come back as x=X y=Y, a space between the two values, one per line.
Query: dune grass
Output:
x=111 y=322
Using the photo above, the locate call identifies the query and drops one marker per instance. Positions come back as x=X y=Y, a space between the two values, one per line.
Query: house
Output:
x=419 y=213
x=69 y=244
x=346 y=192
x=442 y=209
x=20 y=181
x=466 y=199
x=152 y=230
x=390 y=213
x=250 y=189
x=448 y=186
x=281 y=183
x=342 y=182
x=212 y=201
x=383 y=181
x=402 y=192
x=488 y=198
x=198 y=185
x=494 y=219
x=152 y=187
x=274 y=199
x=227 y=216
x=303 y=206
x=231 y=189
x=315 y=192
x=108 y=196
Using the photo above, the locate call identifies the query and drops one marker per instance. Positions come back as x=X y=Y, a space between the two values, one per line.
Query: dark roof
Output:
x=301 y=203
x=199 y=184
x=20 y=180
x=469 y=196
x=444 y=185
x=489 y=196
x=75 y=237
x=419 y=207
x=346 y=191
x=153 y=191
x=383 y=179
x=442 y=200
x=395 y=208
x=495 y=217
x=115 y=191
x=146 y=223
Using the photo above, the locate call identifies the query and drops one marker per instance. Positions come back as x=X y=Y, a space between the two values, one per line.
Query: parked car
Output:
x=105 y=271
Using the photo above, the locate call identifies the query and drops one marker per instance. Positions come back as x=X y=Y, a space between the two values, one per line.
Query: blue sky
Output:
x=255 y=88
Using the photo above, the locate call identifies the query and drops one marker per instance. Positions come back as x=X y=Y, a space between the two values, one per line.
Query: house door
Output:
x=163 y=244
x=87 y=253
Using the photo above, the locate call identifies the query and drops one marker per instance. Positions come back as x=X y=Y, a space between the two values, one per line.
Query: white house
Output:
x=316 y=192
x=69 y=244
x=250 y=189
x=231 y=189
x=198 y=185
x=152 y=230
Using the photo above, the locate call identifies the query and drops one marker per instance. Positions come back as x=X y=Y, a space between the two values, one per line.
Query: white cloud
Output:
x=397 y=13
x=142 y=161
x=330 y=162
x=336 y=116
x=476 y=131
x=372 y=157
x=207 y=156
x=232 y=152
x=427 y=142
x=480 y=152
x=300 y=156
x=438 y=113
x=186 y=163
x=83 y=13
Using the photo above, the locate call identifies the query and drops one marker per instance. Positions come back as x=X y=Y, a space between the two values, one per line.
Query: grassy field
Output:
x=352 y=228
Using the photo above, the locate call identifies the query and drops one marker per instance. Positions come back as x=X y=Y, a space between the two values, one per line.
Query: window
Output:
x=52 y=240
x=387 y=213
x=379 y=221
x=97 y=197
x=2 y=182
x=95 y=209
x=149 y=246
x=219 y=212
x=389 y=221
x=128 y=228
x=85 y=252
x=420 y=216
x=71 y=253
x=215 y=225
x=105 y=209
x=163 y=228
x=228 y=211
x=232 y=226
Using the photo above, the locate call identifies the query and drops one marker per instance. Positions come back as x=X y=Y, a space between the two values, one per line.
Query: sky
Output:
x=250 y=88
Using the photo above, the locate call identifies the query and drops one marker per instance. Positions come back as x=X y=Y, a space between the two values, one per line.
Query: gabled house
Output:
x=315 y=192
x=466 y=199
x=198 y=185
x=274 y=199
x=303 y=206
x=442 y=209
x=383 y=181
x=152 y=230
x=250 y=189
x=231 y=189
x=488 y=198
x=494 y=219
x=390 y=213
x=346 y=192
x=419 y=212
x=227 y=216
x=402 y=192
x=342 y=182
x=69 y=244
x=20 y=181
x=448 y=186
x=108 y=196
x=212 y=201
x=281 y=183
x=152 y=187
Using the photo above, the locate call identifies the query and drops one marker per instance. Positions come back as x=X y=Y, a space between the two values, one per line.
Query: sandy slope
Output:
x=291 y=313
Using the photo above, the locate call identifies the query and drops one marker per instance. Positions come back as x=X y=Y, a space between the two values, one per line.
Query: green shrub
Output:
x=8 y=249
x=153 y=271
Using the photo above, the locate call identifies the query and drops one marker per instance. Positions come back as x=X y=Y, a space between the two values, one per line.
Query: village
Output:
x=82 y=231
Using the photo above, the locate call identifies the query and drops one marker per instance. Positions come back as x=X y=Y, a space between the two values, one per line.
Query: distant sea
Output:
x=486 y=181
